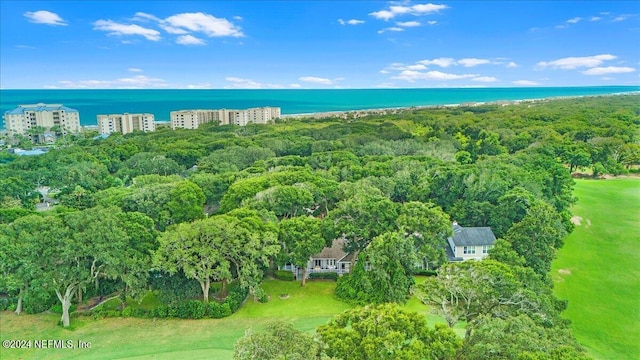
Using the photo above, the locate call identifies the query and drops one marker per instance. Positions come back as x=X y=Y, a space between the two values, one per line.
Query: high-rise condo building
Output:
x=192 y=119
x=42 y=122
x=126 y=123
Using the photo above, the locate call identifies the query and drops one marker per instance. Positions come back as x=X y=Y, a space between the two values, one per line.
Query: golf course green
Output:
x=598 y=269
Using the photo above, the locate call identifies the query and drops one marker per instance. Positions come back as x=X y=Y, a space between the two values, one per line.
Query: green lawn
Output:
x=598 y=269
x=118 y=338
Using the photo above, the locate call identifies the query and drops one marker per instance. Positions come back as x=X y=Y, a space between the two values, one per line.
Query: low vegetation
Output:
x=597 y=269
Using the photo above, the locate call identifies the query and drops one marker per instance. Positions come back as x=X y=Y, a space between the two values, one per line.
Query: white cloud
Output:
x=240 y=83
x=25 y=47
x=173 y=30
x=409 y=23
x=239 y=18
x=576 y=62
x=205 y=23
x=134 y=70
x=189 y=40
x=144 y=17
x=45 y=17
x=485 y=79
x=525 y=83
x=471 y=62
x=561 y=26
x=512 y=64
x=383 y=14
x=351 y=22
x=432 y=22
x=416 y=10
x=411 y=76
x=295 y=86
x=316 y=80
x=393 y=28
x=621 y=17
x=134 y=82
x=117 y=29
x=575 y=20
x=609 y=70
x=595 y=18
x=204 y=85
x=442 y=62
x=416 y=67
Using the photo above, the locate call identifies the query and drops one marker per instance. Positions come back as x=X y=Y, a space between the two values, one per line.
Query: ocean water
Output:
x=91 y=103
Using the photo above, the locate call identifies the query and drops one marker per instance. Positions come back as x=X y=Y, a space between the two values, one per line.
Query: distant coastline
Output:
x=394 y=110
x=294 y=103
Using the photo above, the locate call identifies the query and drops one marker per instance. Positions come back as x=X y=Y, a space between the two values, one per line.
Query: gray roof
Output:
x=336 y=251
x=472 y=236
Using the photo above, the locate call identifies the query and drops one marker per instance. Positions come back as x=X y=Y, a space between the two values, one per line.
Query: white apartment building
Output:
x=126 y=123
x=192 y=119
x=56 y=119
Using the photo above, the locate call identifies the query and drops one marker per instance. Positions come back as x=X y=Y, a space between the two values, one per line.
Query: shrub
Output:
x=284 y=275
x=325 y=275
x=191 y=309
x=57 y=308
x=425 y=272
x=261 y=295
x=37 y=302
x=218 y=311
x=6 y=303
x=126 y=312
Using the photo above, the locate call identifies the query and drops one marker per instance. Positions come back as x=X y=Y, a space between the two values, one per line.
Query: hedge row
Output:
x=189 y=309
x=284 y=275
x=324 y=275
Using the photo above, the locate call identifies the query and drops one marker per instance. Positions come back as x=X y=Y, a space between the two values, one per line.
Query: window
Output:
x=485 y=249
x=469 y=250
x=317 y=263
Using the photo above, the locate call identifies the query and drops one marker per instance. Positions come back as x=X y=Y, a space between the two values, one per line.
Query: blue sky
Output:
x=317 y=44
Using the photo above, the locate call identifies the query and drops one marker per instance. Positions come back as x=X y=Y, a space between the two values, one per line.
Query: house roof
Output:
x=336 y=251
x=39 y=107
x=472 y=236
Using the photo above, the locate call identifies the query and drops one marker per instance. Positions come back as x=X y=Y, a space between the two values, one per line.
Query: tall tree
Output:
x=428 y=226
x=360 y=218
x=198 y=249
x=277 y=342
x=386 y=332
x=300 y=237
x=537 y=237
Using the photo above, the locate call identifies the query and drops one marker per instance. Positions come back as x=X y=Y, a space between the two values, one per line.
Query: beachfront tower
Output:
x=42 y=123
x=126 y=123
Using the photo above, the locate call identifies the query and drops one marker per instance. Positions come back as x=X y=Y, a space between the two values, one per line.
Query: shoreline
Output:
x=357 y=113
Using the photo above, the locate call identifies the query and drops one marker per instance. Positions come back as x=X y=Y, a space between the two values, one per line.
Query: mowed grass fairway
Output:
x=130 y=338
x=598 y=269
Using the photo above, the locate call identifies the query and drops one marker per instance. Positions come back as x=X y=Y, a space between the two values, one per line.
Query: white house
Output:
x=469 y=243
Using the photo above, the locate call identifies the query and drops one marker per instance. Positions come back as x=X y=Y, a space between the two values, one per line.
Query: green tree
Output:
x=186 y=202
x=300 y=237
x=386 y=332
x=537 y=237
x=428 y=226
x=519 y=337
x=465 y=291
x=278 y=341
x=392 y=258
x=360 y=218
x=200 y=250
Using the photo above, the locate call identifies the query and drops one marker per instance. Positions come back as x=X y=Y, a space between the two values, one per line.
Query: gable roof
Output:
x=472 y=236
x=336 y=251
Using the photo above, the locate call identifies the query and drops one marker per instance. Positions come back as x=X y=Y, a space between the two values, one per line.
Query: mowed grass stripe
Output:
x=598 y=269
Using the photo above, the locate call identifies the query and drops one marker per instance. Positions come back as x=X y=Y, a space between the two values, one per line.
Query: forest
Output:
x=201 y=217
